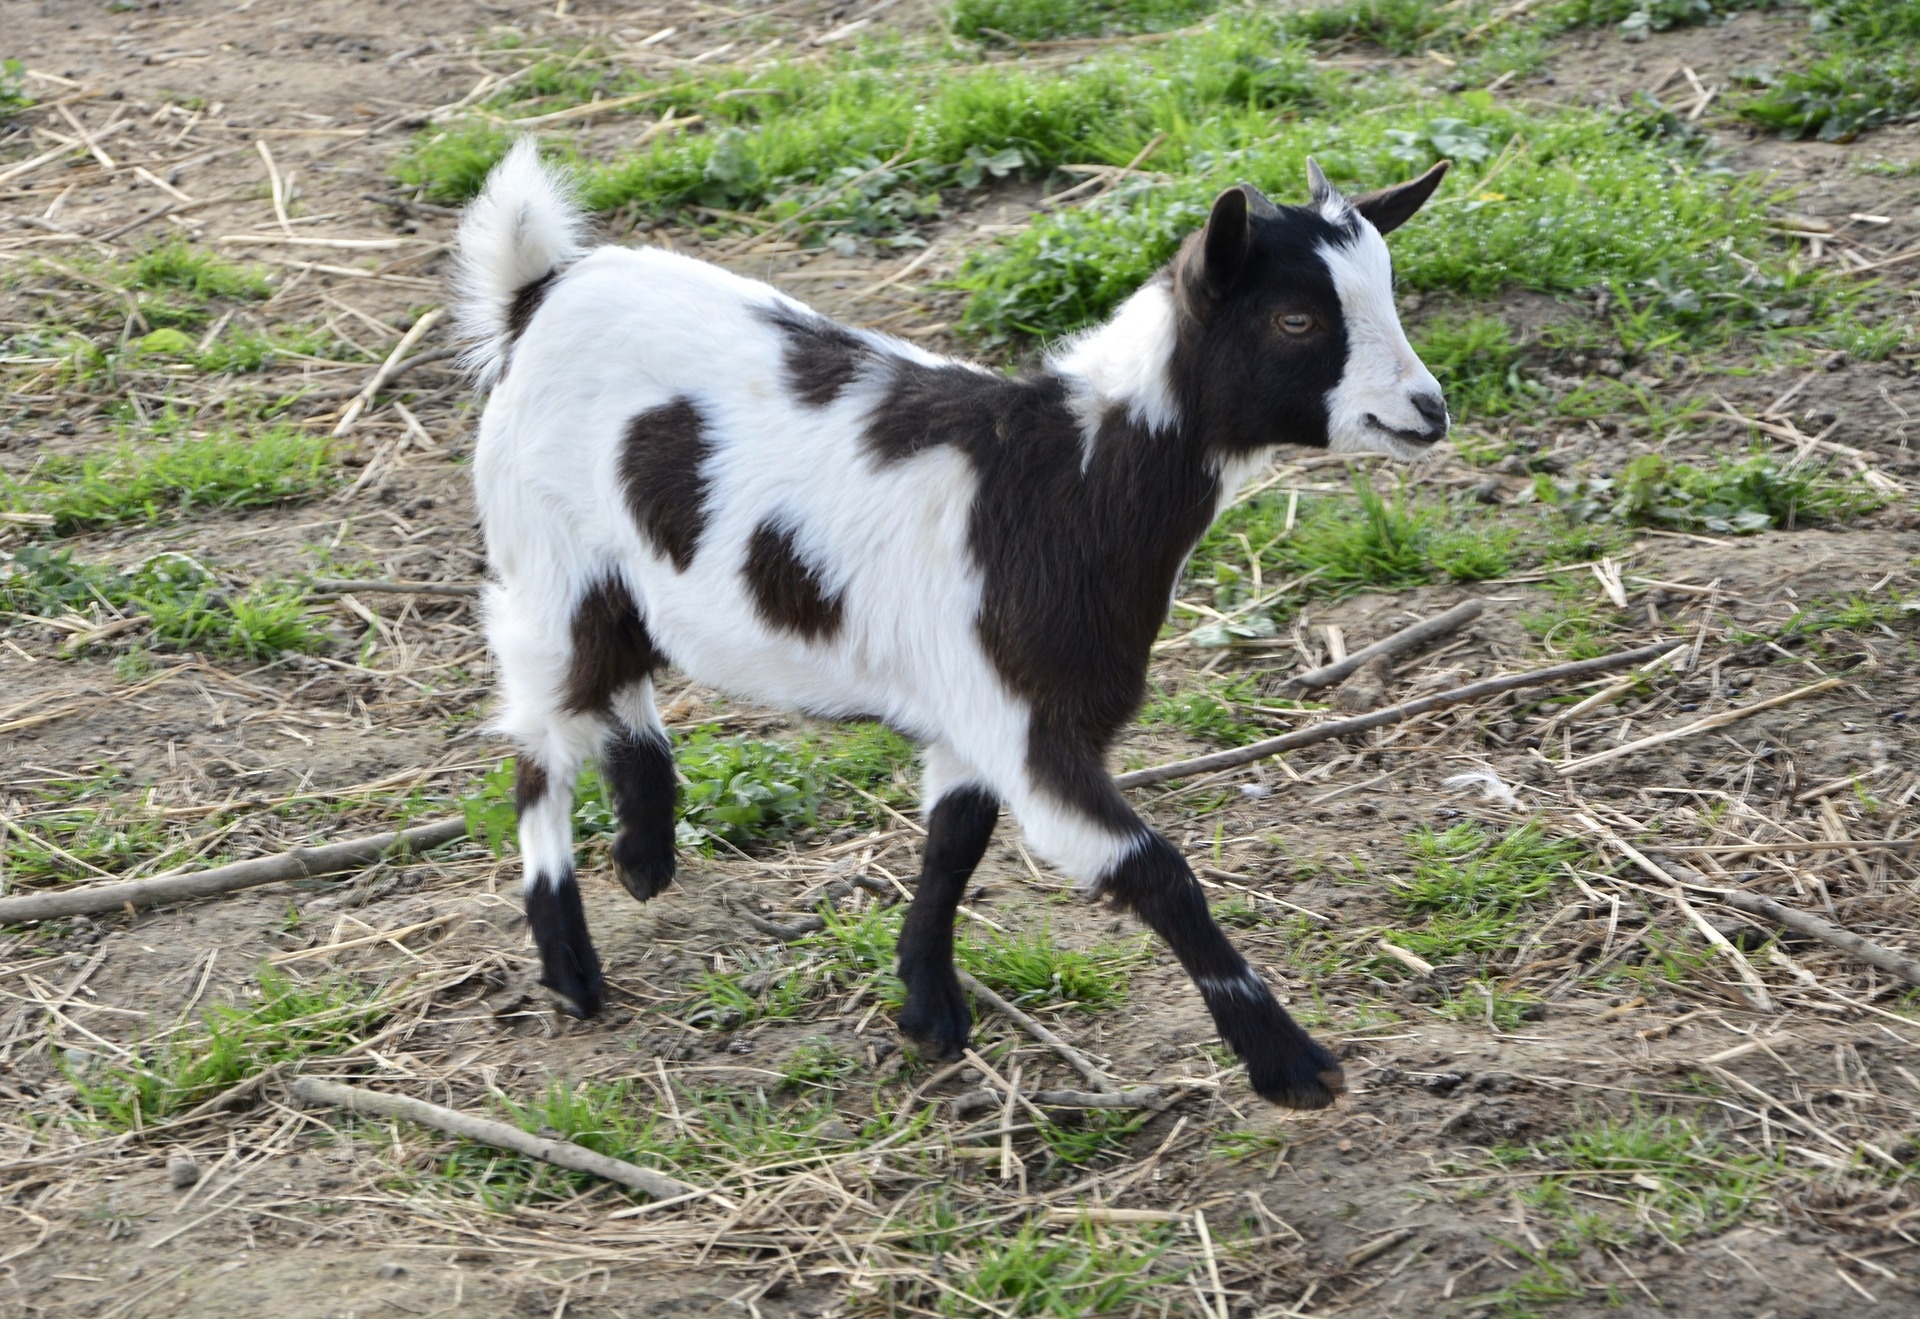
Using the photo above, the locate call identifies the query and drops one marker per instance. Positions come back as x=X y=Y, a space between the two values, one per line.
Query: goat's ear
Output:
x=1389 y=208
x=1319 y=191
x=1228 y=237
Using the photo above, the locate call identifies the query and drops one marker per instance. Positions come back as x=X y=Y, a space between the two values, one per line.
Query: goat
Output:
x=678 y=465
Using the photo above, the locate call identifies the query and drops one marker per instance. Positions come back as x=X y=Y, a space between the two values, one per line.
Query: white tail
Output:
x=524 y=225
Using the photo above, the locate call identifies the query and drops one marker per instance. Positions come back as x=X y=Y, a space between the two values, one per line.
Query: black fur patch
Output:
x=639 y=772
x=526 y=301
x=529 y=784
x=569 y=966
x=935 y=1016
x=787 y=591
x=611 y=647
x=1283 y=1062
x=660 y=475
x=822 y=357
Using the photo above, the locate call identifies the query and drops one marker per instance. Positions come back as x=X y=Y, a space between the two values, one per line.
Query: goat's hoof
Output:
x=640 y=869
x=1301 y=1078
x=582 y=997
x=938 y=1029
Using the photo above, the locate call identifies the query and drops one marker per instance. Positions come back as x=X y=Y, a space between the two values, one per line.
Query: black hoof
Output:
x=640 y=866
x=936 y=1020
x=1298 y=1075
x=569 y=967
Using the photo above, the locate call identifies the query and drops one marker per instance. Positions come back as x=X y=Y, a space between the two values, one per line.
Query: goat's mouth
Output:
x=1404 y=441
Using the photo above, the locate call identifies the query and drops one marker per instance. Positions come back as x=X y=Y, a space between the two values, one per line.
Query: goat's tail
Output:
x=524 y=225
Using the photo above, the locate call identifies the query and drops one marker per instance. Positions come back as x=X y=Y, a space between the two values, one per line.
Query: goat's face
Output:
x=1289 y=334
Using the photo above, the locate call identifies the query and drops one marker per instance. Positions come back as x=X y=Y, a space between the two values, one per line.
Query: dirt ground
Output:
x=1393 y=1199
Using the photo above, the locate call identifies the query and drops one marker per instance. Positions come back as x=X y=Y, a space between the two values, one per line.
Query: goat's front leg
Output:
x=1284 y=1063
x=935 y=1017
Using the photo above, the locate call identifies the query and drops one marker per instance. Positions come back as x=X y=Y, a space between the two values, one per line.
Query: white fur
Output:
x=1124 y=363
x=522 y=225
x=1383 y=373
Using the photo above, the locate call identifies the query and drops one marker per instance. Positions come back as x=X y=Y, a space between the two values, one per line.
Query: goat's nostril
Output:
x=1433 y=410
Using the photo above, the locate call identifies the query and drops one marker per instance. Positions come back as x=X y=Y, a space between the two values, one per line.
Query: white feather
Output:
x=1492 y=787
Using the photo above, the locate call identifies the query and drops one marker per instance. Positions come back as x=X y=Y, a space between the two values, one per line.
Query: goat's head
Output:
x=1289 y=332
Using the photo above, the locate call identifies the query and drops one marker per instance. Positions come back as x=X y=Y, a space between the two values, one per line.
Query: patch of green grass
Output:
x=285 y=1022
x=1855 y=613
x=144 y=482
x=1681 y=1179
x=1577 y=627
x=769 y=989
x=718 y=1132
x=1063 y=1273
x=448 y=165
x=1580 y=197
x=742 y=791
x=188 y=607
x=1047 y=20
x=1031 y=969
x=1487 y=1001
x=1867 y=73
x=1211 y=713
x=85 y=820
x=1477 y=892
x=1736 y=496
x=872 y=758
x=174 y=265
x=13 y=88
x=1369 y=541
x=817 y=1063
x=1476 y=361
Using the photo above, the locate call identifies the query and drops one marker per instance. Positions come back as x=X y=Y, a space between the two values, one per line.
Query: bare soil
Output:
x=301 y=1213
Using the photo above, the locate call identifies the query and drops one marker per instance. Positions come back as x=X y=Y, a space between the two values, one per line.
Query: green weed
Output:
x=1212 y=713
x=188 y=607
x=144 y=482
x=718 y=1133
x=13 y=88
x=1044 y=20
x=1867 y=73
x=1064 y=1273
x=1681 y=1179
x=1733 y=497
x=1578 y=627
x=177 y=267
x=1476 y=361
x=285 y=1022
x=1476 y=892
x=819 y=1064
x=86 y=821
x=1031 y=969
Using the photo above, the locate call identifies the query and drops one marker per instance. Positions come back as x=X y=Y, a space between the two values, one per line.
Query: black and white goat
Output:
x=682 y=466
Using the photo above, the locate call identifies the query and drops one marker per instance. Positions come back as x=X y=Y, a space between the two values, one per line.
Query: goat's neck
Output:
x=1125 y=364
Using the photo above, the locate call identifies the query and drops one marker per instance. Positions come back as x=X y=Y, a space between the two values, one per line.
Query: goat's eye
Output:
x=1295 y=323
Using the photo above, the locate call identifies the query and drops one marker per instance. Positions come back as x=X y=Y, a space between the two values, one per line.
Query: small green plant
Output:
x=1476 y=891
x=1043 y=20
x=1030 y=968
x=1476 y=361
x=817 y=1063
x=1060 y=1273
x=186 y=606
x=144 y=482
x=177 y=267
x=13 y=88
x=1867 y=74
x=285 y=1022
x=1211 y=713
x=741 y=791
x=1680 y=1177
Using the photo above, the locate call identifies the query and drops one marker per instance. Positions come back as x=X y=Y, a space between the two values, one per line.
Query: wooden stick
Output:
x=1406 y=639
x=560 y=1153
x=1360 y=723
x=331 y=586
x=1907 y=968
x=1096 y=1078
x=1756 y=989
x=1139 y=1096
x=358 y=404
x=1799 y=845
x=300 y=863
x=1712 y=721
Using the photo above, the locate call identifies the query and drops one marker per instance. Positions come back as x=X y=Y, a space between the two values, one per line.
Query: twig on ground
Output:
x=1405 y=639
x=331 y=586
x=300 y=863
x=1712 y=721
x=1308 y=736
x=1096 y=1078
x=361 y=401
x=1894 y=963
x=560 y=1153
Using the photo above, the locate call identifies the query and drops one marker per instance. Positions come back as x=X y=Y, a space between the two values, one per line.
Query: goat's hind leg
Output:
x=569 y=966
x=960 y=822
x=637 y=762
